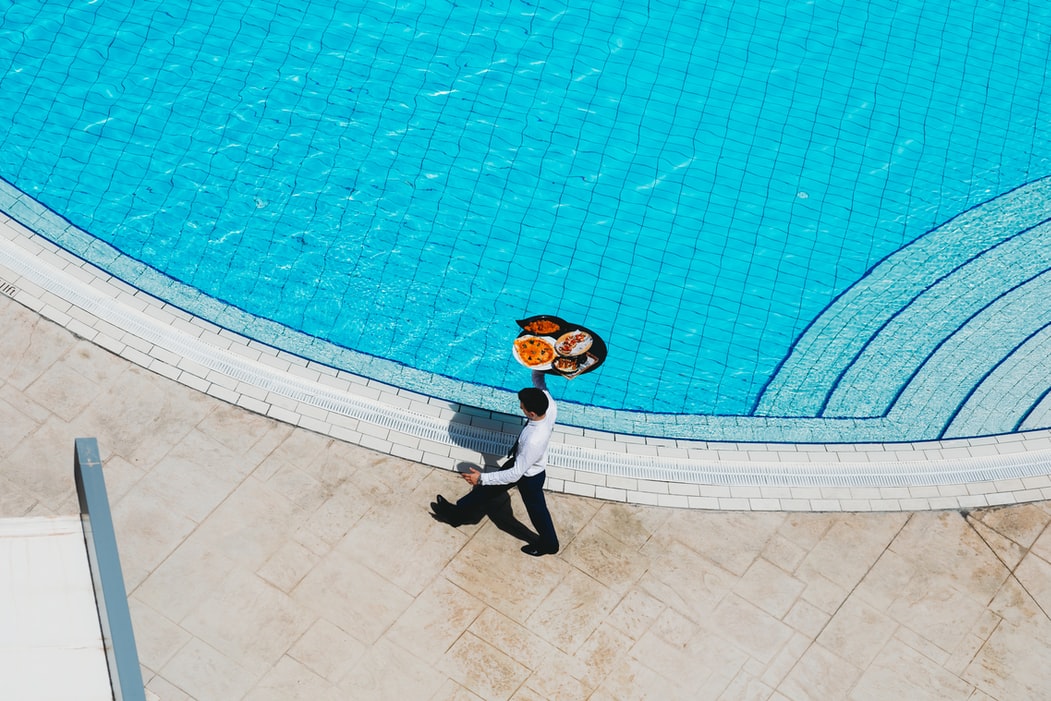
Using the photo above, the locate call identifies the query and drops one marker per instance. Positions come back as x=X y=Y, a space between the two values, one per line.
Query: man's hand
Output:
x=473 y=477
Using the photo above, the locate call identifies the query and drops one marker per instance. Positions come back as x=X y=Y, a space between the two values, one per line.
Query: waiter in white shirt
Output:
x=527 y=472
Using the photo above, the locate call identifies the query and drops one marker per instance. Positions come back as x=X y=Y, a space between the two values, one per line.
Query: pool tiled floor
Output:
x=267 y=562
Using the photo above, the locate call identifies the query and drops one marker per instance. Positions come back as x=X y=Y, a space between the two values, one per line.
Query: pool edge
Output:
x=955 y=474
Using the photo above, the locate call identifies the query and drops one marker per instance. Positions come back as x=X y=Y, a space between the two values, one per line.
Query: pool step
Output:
x=1017 y=386
x=927 y=328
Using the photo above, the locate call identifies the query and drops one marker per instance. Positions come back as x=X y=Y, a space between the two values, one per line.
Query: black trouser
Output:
x=532 y=491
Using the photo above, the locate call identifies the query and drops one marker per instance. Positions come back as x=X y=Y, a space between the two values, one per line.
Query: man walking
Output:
x=528 y=472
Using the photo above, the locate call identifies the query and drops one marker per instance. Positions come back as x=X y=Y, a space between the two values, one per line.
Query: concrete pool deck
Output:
x=267 y=559
x=269 y=562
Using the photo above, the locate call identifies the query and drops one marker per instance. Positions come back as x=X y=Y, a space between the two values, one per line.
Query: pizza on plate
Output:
x=534 y=351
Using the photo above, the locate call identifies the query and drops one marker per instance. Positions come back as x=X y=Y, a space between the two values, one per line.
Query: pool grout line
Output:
x=676 y=473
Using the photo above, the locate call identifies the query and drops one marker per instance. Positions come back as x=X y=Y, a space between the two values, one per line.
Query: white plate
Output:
x=543 y=366
x=574 y=349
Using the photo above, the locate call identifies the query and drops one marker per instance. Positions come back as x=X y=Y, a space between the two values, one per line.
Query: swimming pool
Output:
x=387 y=187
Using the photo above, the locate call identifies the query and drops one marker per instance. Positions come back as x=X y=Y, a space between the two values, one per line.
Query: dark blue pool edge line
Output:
x=639 y=420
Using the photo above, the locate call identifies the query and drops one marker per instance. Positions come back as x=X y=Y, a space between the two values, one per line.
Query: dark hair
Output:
x=534 y=400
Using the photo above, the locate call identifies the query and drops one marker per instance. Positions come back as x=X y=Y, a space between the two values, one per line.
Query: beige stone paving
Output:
x=269 y=563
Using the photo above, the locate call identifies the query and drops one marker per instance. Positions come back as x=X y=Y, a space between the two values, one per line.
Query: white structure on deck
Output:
x=50 y=639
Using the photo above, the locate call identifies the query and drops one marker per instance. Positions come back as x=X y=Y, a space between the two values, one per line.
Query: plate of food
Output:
x=542 y=325
x=570 y=367
x=573 y=343
x=535 y=352
x=565 y=366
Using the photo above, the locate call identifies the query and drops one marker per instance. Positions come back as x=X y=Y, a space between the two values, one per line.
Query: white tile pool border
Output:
x=958 y=474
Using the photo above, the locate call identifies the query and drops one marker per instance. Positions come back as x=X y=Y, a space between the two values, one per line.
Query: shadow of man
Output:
x=498 y=508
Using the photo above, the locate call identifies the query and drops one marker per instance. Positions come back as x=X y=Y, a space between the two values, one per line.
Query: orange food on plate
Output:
x=541 y=326
x=534 y=351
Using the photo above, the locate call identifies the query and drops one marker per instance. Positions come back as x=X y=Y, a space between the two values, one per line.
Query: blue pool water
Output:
x=695 y=182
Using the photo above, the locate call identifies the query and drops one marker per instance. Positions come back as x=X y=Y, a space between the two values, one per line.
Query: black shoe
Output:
x=445 y=512
x=441 y=505
x=536 y=551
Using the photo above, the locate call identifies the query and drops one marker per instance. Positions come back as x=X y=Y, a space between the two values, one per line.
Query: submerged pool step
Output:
x=1015 y=387
x=962 y=325
x=859 y=358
